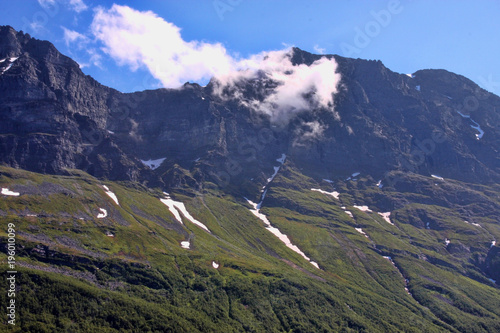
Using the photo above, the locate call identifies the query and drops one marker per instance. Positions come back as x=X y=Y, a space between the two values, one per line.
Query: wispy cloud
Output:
x=72 y=36
x=82 y=42
x=78 y=5
x=75 y=5
x=319 y=49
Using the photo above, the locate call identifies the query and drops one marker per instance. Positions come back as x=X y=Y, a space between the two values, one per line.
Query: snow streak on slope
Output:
x=6 y=191
x=176 y=206
x=275 y=231
x=111 y=194
x=475 y=126
x=334 y=194
x=153 y=164
x=102 y=214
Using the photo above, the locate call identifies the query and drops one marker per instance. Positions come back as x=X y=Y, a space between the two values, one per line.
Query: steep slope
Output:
x=188 y=210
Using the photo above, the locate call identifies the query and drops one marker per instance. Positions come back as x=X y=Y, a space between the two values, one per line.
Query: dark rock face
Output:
x=54 y=117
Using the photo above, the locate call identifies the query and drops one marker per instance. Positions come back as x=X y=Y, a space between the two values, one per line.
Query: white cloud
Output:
x=308 y=132
x=75 y=5
x=319 y=50
x=142 y=39
x=145 y=40
x=298 y=87
x=71 y=36
x=78 y=5
x=46 y=3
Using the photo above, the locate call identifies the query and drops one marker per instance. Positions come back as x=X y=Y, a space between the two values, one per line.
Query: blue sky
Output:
x=460 y=36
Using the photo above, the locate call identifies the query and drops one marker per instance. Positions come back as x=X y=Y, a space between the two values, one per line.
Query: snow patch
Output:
x=102 y=214
x=153 y=164
x=361 y=232
x=418 y=88
x=275 y=231
x=111 y=132
x=176 y=206
x=2 y=60
x=386 y=216
x=334 y=194
x=281 y=159
x=379 y=184
x=475 y=126
x=328 y=181
x=111 y=194
x=215 y=265
x=410 y=75
x=363 y=208
x=6 y=191
x=437 y=177
x=186 y=245
x=109 y=234
x=349 y=213
x=427 y=226
x=491 y=280
x=493 y=243
x=447 y=241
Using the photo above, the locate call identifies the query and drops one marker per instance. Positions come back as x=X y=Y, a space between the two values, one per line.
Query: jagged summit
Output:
x=380 y=122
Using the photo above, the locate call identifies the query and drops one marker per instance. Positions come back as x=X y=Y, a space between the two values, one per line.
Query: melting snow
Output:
x=2 y=60
x=281 y=160
x=111 y=194
x=185 y=244
x=111 y=132
x=476 y=126
x=153 y=164
x=215 y=265
x=102 y=214
x=349 y=213
x=437 y=177
x=410 y=75
x=476 y=224
x=361 y=232
x=493 y=243
x=328 y=181
x=363 y=208
x=418 y=88
x=275 y=231
x=447 y=241
x=334 y=194
x=6 y=191
x=379 y=184
x=386 y=216
x=176 y=206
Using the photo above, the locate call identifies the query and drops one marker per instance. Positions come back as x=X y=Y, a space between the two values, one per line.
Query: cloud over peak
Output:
x=142 y=39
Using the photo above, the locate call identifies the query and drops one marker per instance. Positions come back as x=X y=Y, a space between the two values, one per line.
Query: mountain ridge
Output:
x=391 y=190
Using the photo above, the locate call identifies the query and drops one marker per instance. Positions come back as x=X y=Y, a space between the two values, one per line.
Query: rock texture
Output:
x=53 y=117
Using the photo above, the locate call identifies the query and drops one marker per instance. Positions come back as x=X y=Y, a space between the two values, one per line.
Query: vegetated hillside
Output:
x=128 y=271
x=186 y=210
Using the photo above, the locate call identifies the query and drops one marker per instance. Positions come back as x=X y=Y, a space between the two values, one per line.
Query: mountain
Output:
x=159 y=210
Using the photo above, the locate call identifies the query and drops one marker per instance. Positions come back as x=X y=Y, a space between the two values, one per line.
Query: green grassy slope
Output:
x=127 y=272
